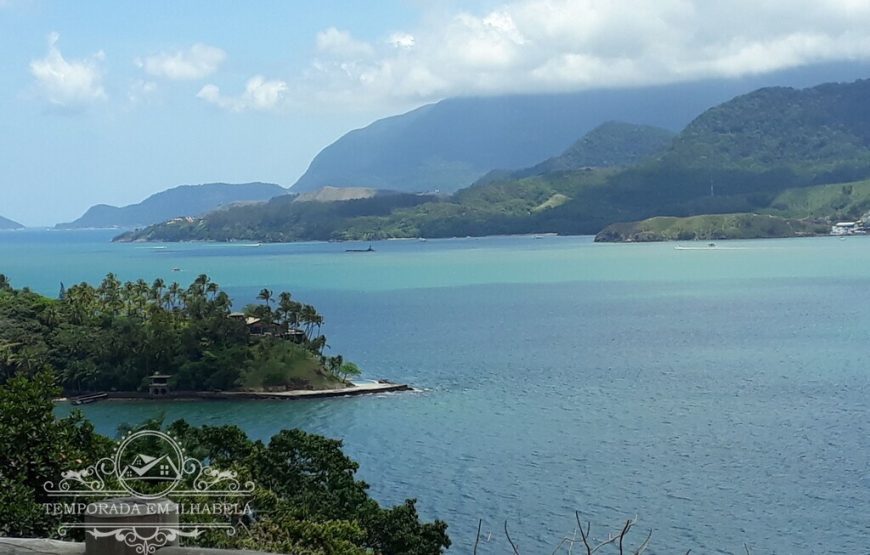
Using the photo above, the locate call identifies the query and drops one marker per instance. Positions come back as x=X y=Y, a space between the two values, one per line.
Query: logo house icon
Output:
x=149 y=464
x=150 y=469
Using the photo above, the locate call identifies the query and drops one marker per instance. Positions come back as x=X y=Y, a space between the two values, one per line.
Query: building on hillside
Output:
x=848 y=228
x=158 y=384
x=259 y=327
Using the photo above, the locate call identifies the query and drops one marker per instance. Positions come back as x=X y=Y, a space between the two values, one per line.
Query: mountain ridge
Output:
x=610 y=144
x=6 y=223
x=451 y=144
x=179 y=201
x=798 y=138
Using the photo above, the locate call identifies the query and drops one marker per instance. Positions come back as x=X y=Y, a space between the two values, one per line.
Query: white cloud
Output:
x=196 y=62
x=260 y=94
x=69 y=83
x=402 y=40
x=341 y=44
x=558 y=45
x=140 y=91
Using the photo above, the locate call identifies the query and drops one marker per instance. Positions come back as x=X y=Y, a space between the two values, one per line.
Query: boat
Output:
x=706 y=247
x=88 y=399
x=370 y=249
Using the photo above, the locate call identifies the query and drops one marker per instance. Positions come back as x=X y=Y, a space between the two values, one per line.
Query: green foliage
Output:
x=280 y=219
x=848 y=201
x=611 y=144
x=279 y=364
x=307 y=499
x=36 y=448
x=113 y=336
x=348 y=370
x=722 y=226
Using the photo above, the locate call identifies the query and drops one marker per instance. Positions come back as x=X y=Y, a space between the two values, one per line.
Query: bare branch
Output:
x=644 y=545
x=477 y=538
x=609 y=540
x=516 y=551
x=584 y=535
x=622 y=534
x=561 y=543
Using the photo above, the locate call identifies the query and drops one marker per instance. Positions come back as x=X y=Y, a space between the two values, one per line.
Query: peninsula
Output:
x=164 y=340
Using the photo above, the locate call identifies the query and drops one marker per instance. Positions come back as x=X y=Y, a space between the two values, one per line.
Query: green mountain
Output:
x=611 y=144
x=451 y=144
x=283 y=218
x=6 y=223
x=739 y=157
x=808 y=131
x=186 y=200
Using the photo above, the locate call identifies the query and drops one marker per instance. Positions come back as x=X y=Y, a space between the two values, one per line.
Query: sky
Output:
x=109 y=102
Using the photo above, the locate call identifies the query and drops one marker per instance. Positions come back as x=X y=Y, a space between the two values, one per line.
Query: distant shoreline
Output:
x=371 y=388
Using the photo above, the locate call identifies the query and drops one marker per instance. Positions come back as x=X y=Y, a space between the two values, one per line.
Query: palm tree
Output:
x=212 y=289
x=311 y=319
x=265 y=295
x=287 y=308
x=157 y=289
x=173 y=296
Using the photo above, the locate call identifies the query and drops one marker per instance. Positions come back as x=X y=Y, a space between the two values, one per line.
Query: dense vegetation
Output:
x=307 y=499
x=792 y=213
x=612 y=144
x=718 y=226
x=281 y=219
x=112 y=336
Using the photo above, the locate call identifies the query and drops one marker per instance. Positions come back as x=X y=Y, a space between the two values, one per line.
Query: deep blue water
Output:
x=722 y=396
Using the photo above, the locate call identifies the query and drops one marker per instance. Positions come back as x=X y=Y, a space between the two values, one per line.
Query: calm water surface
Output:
x=719 y=395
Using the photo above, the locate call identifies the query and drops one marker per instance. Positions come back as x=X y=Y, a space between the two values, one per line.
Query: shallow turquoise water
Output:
x=720 y=395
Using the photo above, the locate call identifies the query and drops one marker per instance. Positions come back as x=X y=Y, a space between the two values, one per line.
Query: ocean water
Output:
x=721 y=396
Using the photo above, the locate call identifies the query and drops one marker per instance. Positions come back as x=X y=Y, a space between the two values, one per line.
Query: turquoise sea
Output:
x=721 y=395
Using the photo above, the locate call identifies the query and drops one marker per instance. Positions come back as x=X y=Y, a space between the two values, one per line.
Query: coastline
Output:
x=368 y=388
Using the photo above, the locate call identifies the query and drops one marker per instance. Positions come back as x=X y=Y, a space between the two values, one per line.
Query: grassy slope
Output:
x=800 y=211
x=848 y=201
x=287 y=365
x=718 y=226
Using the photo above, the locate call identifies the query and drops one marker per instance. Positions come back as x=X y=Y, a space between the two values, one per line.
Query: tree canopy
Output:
x=112 y=336
x=307 y=499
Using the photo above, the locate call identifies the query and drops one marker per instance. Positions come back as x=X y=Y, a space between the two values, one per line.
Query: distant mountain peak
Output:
x=180 y=201
x=6 y=223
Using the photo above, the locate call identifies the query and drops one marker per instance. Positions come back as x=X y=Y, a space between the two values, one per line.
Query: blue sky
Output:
x=108 y=102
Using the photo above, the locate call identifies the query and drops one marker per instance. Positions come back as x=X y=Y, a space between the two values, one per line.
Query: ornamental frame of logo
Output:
x=126 y=473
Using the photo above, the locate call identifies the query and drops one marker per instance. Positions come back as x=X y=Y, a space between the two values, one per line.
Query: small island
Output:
x=160 y=340
x=710 y=227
